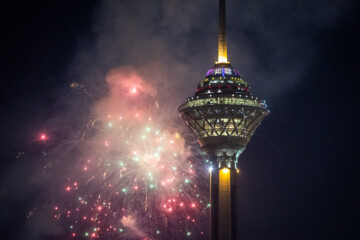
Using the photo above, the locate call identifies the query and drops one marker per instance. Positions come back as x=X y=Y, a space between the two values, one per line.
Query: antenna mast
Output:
x=222 y=44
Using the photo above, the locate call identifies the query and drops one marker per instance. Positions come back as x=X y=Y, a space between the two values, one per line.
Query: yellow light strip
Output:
x=224 y=203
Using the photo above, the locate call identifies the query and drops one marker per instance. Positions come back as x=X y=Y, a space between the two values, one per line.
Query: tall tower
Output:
x=223 y=115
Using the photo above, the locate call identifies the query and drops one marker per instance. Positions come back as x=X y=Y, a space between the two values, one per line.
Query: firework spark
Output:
x=132 y=176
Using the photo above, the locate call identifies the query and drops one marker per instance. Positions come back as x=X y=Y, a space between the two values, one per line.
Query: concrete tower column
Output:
x=223 y=193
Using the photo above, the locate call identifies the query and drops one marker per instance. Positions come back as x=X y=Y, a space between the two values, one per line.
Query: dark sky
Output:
x=299 y=172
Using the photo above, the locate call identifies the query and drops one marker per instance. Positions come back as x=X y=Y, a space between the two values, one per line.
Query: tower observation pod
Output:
x=223 y=115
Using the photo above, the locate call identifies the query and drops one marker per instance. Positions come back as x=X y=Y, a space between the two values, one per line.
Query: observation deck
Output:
x=223 y=114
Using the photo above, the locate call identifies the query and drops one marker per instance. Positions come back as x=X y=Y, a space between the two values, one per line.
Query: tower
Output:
x=223 y=115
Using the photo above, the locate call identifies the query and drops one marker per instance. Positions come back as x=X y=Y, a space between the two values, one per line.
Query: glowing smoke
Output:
x=126 y=88
x=129 y=222
x=129 y=174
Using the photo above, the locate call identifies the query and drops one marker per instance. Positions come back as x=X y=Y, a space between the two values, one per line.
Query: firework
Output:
x=132 y=177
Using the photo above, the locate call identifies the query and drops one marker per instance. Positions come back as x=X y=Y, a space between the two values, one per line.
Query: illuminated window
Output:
x=228 y=71
x=218 y=71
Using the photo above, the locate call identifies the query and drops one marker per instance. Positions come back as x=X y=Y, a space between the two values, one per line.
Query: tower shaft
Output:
x=223 y=204
x=222 y=43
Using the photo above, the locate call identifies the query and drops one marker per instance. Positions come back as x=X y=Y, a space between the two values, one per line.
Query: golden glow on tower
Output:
x=222 y=59
x=224 y=203
x=222 y=43
x=222 y=47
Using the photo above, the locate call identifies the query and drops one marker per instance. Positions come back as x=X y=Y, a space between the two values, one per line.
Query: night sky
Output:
x=299 y=173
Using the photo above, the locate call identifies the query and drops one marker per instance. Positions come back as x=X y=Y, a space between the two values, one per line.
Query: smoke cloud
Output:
x=173 y=43
x=159 y=50
x=130 y=222
x=126 y=87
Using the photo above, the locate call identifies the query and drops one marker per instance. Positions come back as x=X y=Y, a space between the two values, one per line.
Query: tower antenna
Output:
x=222 y=44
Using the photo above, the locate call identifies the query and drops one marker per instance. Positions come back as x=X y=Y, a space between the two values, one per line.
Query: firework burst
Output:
x=132 y=177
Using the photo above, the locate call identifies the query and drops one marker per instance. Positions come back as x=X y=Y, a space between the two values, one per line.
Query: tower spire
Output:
x=222 y=44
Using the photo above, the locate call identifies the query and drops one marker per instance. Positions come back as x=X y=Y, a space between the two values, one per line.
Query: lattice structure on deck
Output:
x=212 y=121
